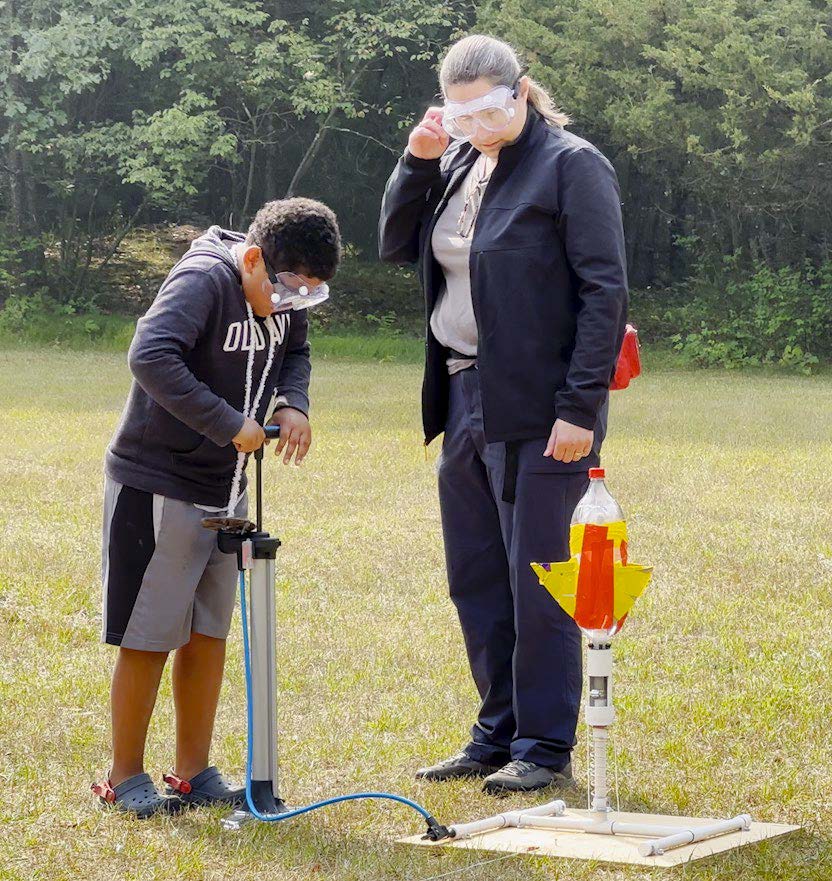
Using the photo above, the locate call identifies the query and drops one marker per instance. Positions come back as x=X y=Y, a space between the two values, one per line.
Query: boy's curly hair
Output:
x=298 y=235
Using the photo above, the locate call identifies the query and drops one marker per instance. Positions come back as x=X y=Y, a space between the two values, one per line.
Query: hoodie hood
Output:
x=217 y=242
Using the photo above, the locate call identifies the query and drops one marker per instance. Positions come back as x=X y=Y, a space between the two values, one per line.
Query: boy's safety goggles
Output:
x=292 y=292
x=491 y=112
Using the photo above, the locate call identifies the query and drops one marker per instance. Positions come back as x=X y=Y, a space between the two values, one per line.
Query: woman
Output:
x=516 y=228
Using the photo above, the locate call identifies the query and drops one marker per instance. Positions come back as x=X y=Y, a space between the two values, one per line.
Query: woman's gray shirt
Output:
x=452 y=320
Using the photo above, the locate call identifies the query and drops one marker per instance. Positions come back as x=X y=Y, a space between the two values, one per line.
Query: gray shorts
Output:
x=163 y=575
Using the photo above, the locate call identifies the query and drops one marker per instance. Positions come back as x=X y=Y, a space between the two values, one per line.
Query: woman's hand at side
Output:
x=569 y=443
x=429 y=140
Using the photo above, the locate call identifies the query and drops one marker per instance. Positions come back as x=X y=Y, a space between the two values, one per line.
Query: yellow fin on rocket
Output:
x=561 y=580
x=629 y=583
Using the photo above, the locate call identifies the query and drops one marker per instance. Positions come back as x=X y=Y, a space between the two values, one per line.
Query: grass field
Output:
x=723 y=670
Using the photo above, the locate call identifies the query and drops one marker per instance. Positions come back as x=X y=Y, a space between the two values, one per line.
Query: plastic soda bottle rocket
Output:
x=597 y=505
x=597 y=585
x=599 y=508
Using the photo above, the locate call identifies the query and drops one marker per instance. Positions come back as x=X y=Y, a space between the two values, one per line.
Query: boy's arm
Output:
x=163 y=338
x=293 y=381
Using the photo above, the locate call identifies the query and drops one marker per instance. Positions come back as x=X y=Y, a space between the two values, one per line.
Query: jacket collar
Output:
x=513 y=152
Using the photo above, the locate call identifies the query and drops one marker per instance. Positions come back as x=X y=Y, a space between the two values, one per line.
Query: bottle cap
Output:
x=596 y=473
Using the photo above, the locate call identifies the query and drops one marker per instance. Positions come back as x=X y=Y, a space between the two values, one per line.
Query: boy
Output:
x=196 y=406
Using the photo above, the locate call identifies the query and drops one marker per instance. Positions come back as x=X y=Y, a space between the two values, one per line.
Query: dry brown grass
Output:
x=723 y=669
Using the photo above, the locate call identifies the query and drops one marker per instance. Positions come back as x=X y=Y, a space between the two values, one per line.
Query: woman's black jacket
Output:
x=548 y=277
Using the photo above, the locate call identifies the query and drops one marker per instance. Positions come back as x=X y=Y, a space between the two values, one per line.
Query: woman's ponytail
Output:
x=544 y=104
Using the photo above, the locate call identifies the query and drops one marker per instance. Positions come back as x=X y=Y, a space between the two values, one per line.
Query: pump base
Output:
x=262 y=794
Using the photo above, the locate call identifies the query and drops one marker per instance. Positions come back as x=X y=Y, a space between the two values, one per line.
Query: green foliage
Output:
x=168 y=152
x=715 y=112
x=139 y=108
x=370 y=297
x=781 y=317
x=376 y=311
x=142 y=112
x=39 y=319
x=14 y=277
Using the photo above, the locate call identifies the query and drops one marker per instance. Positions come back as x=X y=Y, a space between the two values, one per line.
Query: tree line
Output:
x=717 y=115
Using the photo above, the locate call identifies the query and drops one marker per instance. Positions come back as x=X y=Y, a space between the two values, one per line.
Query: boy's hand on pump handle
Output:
x=569 y=443
x=429 y=140
x=250 y=437
x=295 y=434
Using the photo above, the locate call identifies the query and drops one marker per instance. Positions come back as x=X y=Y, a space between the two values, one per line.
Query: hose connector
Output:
x=436 y=831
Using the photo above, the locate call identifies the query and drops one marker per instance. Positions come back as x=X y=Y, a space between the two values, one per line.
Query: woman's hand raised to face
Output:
x=429 y=140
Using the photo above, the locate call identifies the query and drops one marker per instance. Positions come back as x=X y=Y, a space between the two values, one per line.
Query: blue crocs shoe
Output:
x=136 y=795
x=209 y=787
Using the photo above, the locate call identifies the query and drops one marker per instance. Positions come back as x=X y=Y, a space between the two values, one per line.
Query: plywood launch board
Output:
x=610 y=848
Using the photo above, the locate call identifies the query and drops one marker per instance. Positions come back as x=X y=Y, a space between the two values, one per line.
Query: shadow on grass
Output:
x=320 y=847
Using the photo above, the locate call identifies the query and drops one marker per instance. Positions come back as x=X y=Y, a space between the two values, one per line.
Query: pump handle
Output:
x=272 y=433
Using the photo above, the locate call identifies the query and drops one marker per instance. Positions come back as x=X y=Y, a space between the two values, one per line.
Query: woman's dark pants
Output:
x=524 y=650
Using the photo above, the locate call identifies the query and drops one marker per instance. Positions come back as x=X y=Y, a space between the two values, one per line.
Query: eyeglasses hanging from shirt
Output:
x=473 y=197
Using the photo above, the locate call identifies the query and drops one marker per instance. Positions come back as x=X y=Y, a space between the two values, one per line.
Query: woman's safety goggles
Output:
x=292 y=292
x=491 y=112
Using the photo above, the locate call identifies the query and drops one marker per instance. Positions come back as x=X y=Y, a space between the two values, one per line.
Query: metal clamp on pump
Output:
x=238 y=535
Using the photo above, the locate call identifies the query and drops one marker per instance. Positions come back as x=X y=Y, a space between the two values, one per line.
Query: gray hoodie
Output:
x=188 y=360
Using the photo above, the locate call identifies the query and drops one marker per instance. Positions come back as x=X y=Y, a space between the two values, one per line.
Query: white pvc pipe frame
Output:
x=550 y=816
x=600 y=714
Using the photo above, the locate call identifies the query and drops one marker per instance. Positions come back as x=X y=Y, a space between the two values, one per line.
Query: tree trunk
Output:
x=317 y=142
x=233 y=217
x=677 y=228
x=309 y=156
x=252 y=158
x=120 y=237
x=21 y=189
x=17 y=197
x=269 y=188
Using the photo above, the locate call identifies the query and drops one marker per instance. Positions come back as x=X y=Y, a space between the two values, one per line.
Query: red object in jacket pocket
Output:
x=629 y=361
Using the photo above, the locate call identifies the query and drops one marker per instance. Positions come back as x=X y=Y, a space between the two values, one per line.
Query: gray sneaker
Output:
x=520 y=776
x=459 y=765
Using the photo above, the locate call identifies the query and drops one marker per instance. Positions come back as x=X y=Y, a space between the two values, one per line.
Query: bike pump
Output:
x=256 y=551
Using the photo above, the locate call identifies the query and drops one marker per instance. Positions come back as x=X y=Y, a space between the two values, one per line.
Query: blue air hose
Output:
x=435 y=830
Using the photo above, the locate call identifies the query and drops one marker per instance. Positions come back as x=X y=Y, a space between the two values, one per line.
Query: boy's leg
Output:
x=132 y=697
x=197 y=678
x=156 y=554
x=128 y=548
